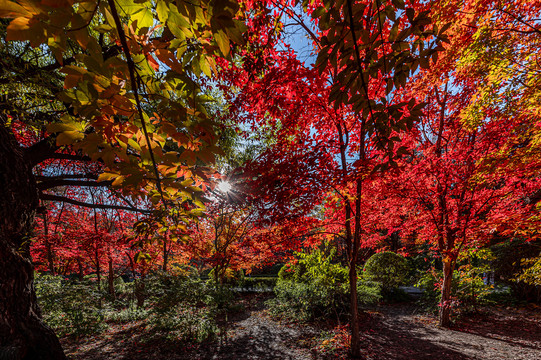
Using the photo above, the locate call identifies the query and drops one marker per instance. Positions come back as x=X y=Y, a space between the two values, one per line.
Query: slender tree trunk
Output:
x=164 y=267
x=111 y=278
x=139 y=292
x=139 y=285
x=352 y=241
x=445 y=305
x=48 y=247
x=354 y=311
x=355 y=336
x=23 y=334
x=98 y=267
x=49 y=256
x=80 y=265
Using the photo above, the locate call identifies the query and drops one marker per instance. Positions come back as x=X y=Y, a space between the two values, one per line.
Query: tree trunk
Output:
x=23 y=334
x=80 y=265
x=48 y=246
x=354 y=312
x=352 y=244
x=111 y=279
x=98 y=274
x=50 y=258
x=139 y=292
x=164 y=266
x=445 y=305
x=98 y=267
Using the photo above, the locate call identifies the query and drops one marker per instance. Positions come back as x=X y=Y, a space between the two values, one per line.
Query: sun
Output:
x=224 y=186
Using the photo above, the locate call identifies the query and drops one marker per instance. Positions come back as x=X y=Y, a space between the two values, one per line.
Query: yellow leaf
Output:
x=68 y=137
x=10 y=9
x=106 y=176
x=118 y=181
x=60 y=127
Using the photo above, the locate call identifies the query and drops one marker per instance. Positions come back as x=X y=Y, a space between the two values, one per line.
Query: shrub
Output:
x=430 y=283
x=368 y=292
x=471 y=289
x=70 y=307
x=126 y=315
x=516 y=264
x=165 y=290
x=387 y=268
x=186 y=323
x=468 y=289
x=314 y=286
x=185 y=307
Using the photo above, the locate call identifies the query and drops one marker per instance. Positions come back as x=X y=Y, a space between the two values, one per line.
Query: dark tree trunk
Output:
x=50 y=257
x=354 y=311
x=98 y=268
x=165 y=254
x=352 y=243
x=98 y=273
x=23 y=334
x=80 y=266
x=139 y=292
x=48 y=247
x=111 y=279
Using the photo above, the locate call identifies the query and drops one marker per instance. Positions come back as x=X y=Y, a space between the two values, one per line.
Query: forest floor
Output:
x=389 y=332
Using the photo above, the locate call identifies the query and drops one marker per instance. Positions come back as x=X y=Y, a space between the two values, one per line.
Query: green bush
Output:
x=387 y=268
x=368 y=292
x=430 y=283
x=516 y=263
x=468 y=289
x=301 y=301
x=185 y=307
x=126 y=315
x=165 y=290
x=312 y=287
x=70 y=307
x=186 y=323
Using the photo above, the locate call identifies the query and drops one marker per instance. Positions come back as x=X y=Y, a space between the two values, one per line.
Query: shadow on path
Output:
x=394 y=332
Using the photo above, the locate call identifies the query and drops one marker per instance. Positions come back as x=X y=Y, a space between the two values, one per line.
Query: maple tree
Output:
x=478 y=127
x=443 y=194
x=344 y=107
x=225 y=240
x=83 y=241
x=111 y=82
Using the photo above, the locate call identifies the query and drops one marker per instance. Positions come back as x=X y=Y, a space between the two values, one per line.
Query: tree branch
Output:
x=134 y=86
x=48 y=184
x=51 y=197
x=90 y=176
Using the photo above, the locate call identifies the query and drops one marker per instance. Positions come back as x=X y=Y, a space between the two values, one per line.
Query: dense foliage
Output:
x=183 y=146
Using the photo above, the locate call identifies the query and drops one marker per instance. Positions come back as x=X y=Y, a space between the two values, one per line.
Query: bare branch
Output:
x=48 y=184
x=51 y=197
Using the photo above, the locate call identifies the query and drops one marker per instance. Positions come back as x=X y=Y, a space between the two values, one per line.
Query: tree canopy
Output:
x=418 y=120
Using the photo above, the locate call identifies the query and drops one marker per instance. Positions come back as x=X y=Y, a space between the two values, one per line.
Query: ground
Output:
x=391 y=332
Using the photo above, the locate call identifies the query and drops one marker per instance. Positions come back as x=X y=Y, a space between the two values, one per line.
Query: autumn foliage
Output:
x=411 y=120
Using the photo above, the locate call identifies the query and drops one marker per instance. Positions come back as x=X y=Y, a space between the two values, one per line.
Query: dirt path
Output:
x=257 y=336
x=398 y=332
x=388 y=333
